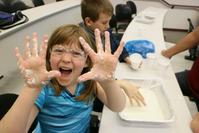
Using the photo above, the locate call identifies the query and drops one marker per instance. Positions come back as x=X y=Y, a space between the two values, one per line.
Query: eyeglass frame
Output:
x=74 y=53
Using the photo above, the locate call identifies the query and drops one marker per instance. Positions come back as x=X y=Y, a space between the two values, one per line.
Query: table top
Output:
x=152 y=31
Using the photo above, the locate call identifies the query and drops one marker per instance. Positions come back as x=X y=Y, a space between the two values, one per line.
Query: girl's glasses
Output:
x=59 y=52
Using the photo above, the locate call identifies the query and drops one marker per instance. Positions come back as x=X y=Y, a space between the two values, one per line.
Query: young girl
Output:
x=66 y=83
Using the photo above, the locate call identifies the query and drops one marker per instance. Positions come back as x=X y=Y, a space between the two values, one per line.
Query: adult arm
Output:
x=187 y=42
x=195 y=123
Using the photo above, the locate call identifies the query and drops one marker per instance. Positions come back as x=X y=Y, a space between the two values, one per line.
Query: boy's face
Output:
x=70 y=61
x=102 y=23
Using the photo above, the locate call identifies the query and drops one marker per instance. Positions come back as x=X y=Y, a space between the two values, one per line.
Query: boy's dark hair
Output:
x=93 y=8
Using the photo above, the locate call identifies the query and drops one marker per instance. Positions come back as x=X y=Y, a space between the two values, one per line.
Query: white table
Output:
x=111 y=122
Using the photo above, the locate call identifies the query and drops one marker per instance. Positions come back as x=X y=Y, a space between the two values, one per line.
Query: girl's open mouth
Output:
x=65 y=72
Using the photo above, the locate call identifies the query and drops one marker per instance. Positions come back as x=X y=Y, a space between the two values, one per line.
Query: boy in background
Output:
x=97 y=14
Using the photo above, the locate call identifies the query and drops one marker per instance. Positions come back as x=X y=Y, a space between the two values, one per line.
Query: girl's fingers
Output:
x=27 y=52
x=141 y=98
x=130 y=100
x=128 y=95
x=119 y=49
x=18 y=56
x=52 y=74
x=49 y=75
x=137 y=97
x=35 y=44
x=137 y=100
x=87 y=48
x=98 y=41
x=86 y=76
x=43 y=47
x=20 y=60
x=107 y=42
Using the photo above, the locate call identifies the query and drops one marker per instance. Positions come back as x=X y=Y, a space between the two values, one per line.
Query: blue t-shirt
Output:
x=62 y=114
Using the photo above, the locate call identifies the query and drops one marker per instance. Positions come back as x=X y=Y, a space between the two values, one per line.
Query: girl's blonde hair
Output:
x=69 y=35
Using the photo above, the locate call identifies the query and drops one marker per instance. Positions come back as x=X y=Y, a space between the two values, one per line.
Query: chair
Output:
x=193 y=52
x=124 y=14
x=133 y=7
x=12 y=6
x=6 y=102
x=191 y=106
x=113 y=23
x=96 y=116
x=38 y=2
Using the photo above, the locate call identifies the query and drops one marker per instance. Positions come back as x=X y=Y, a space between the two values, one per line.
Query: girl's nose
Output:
x=66 y=57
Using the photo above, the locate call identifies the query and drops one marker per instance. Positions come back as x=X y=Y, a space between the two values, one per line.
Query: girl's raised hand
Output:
x=104 y=63
x=33 y=64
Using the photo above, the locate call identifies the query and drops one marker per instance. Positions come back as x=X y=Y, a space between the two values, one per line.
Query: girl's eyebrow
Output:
x=58 y=45
x=61 y=46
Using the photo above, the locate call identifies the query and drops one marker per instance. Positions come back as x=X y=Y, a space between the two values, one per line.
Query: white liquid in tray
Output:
x=149 y=113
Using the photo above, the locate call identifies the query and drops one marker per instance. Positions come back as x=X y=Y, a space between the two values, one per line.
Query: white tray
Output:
x=157 y=109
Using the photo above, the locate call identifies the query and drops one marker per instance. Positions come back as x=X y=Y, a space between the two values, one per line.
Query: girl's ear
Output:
x=88 y=21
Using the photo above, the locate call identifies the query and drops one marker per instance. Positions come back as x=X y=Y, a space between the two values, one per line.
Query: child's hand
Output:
x=104 y=63
x=33 y=64
x=132 y=91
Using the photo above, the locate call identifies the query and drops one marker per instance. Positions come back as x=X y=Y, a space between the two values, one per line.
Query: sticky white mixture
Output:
x=151 y=112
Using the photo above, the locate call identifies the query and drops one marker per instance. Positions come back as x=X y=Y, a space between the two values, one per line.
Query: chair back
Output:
x=123 y=12
x=11 y=6
x=38 y=2
x=113 y=22
x=133 y=7
x=6 y=102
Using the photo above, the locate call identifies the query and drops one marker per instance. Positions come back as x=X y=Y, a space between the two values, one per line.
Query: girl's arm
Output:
x=131 y=91
x=104 y=66
x=111 y=95
x=33 y=69
x=16 y=118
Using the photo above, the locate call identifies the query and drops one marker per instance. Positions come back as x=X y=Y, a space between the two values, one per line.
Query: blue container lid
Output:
x=140 y=46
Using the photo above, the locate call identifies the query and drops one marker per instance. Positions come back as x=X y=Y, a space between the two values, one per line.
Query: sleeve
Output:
x=39 y=102
x=114 y=45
